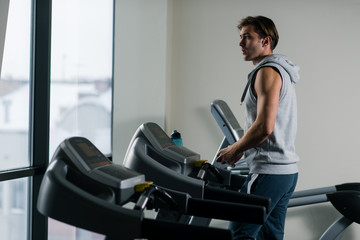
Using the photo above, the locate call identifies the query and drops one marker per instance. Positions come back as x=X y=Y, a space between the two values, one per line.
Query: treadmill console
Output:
x=161 y=141
x=84 y=157
x=226 y=121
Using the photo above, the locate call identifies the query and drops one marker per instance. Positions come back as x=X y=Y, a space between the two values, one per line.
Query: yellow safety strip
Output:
x=199 y=163
x=142 y=186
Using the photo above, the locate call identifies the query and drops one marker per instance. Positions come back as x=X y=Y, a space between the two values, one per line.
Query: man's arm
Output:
x=267 y=87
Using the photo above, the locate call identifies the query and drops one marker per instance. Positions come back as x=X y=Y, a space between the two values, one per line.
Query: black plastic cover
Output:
x=347 y=203
x=348 y=186
x=64 y=201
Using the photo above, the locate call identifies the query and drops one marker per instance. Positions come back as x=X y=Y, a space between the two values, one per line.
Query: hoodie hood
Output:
x=275 y=60
x=283 y=61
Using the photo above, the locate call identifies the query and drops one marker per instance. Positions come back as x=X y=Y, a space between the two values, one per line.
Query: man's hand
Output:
x=228 y=155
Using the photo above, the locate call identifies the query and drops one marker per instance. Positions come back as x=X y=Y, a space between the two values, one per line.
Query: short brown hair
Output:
x=263 y=26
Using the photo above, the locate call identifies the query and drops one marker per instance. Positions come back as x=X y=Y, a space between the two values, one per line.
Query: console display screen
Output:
x=87 y=150
x=161 y=136
x=93 y=157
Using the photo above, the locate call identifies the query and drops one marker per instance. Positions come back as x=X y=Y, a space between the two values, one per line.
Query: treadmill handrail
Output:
x=215 y=193
x=159 y=229
x=227 y=210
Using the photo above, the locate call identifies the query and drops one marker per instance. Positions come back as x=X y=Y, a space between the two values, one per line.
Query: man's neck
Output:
x=258 y=59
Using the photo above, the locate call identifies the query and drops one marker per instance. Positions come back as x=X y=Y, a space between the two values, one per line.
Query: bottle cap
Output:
x=175 y=134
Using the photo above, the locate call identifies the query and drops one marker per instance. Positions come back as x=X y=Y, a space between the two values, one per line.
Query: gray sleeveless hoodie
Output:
x=276 y=155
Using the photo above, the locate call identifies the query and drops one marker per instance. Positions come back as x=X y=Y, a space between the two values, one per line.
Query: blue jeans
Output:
x=279 y=189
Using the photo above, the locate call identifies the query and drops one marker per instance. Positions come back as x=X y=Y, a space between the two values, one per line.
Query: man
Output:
x=270 y=128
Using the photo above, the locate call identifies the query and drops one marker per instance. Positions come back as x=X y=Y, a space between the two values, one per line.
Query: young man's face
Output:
x=251 y=45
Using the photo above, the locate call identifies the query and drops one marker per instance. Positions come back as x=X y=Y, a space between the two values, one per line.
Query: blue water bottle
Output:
x=176 y=138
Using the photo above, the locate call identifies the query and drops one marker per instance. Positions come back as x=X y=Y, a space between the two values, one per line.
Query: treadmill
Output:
x=84 y=188
x=152 y=152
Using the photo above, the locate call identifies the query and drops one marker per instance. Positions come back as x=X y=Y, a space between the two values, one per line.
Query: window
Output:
x=81 y=71
x=81 y=82
x=14 y=87
x=18 y=201
x=81 y=101
x=13 y=209
x=14 y=120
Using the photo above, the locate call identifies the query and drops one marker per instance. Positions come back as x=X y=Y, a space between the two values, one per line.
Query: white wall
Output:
x=139 y=68
x=190 y=49
x=4 y=8
x=320 y=36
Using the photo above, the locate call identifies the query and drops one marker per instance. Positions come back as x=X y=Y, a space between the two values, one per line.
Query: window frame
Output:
x=39 y=111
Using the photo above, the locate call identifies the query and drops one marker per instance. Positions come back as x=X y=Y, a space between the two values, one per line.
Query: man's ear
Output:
x=267 y=40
